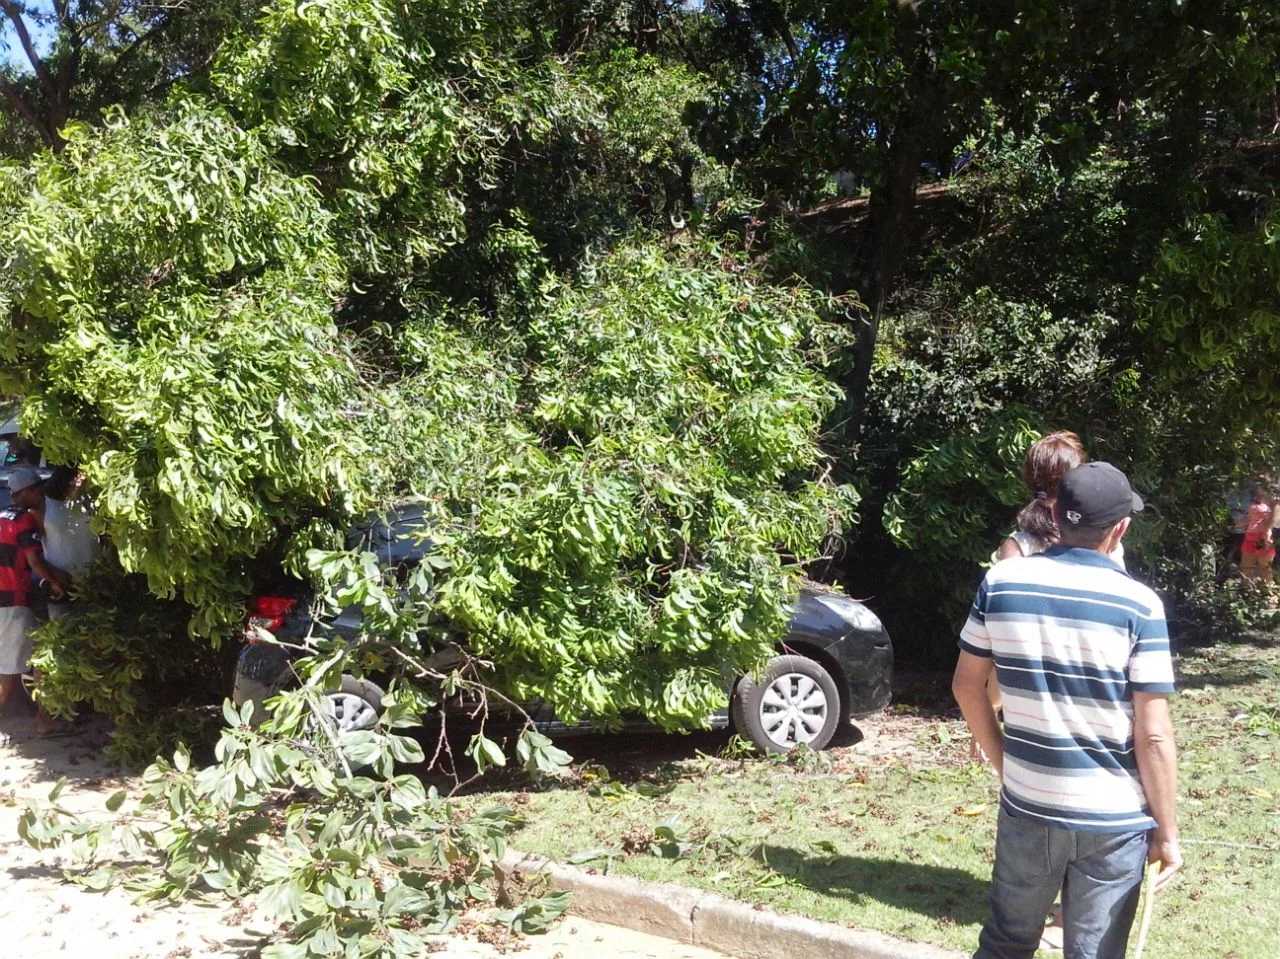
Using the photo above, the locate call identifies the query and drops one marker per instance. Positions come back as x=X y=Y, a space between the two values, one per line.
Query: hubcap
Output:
x=793 y=710
x=351 y=712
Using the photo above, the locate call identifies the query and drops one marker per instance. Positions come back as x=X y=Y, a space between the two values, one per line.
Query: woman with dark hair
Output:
x=1048 y=459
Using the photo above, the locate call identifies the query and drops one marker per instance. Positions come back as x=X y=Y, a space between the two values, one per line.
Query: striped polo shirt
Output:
x=1073 y=636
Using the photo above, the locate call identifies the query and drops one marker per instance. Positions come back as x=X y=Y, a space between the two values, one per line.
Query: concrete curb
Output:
x=712 y=922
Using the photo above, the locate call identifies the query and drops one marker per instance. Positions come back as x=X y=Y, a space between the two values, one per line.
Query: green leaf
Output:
x=539 y=756
x=99 y=880
x=407 y=750
x=402 y=900
x=591 y=855
x=485 y=753
x=535 y=915
x=284 y=950
x=362 y=748
x=57 y=789
x=408 y=793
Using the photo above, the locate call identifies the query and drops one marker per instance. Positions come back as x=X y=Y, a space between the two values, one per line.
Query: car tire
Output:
x=795 y=701
x=355 y=704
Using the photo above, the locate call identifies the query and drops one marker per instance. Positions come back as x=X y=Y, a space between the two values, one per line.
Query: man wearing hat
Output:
x=1086 y=757
x=20 y=556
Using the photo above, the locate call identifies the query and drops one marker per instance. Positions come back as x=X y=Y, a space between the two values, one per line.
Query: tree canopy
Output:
x=578 y=278
x=651 y=308
x=331 y=275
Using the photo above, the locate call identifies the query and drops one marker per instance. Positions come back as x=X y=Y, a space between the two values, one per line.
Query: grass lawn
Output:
x=895 y=833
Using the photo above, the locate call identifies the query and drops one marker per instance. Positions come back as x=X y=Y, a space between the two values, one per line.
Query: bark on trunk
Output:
x=890 y=210
x=56 y=85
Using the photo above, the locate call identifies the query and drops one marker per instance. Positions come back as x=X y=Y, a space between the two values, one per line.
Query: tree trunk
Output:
x=889 y=216
x=56 y=84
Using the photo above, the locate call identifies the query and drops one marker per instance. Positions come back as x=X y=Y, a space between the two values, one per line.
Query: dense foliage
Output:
x=256 y=312
x=171 y=296
x=635 y=549
x=574 y=279
x=1062 y=312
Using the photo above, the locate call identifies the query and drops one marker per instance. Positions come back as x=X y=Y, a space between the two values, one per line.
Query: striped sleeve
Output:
x=28 y=535
x=1150 y=662
x=974 y=637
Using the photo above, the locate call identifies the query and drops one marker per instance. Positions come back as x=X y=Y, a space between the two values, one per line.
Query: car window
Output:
x=398 y=538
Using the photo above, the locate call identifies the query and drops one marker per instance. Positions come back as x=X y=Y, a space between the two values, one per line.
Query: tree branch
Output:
x=132 y=48
x=68 y=70
x=14 y=13
x=27 y=113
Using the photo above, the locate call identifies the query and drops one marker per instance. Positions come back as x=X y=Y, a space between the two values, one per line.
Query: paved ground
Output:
x=44 y=917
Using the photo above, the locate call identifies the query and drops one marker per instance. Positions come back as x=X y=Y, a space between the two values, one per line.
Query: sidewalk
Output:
x=575 y=938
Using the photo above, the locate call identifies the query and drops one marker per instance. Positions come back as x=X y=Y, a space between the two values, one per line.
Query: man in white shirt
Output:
x=1086 y=756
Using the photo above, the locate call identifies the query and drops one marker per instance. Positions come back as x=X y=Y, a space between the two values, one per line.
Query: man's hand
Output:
x=1167 y=852
x=60 y=582
x=969 y=684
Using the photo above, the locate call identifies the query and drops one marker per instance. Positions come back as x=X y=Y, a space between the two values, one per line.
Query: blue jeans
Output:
x=1099 y=874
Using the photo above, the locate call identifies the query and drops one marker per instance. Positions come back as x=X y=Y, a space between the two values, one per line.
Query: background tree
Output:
x=897 y=94
x=82 y=56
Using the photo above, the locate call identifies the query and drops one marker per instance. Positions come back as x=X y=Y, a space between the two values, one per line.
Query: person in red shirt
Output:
x=20 y=557
x=1258 y=550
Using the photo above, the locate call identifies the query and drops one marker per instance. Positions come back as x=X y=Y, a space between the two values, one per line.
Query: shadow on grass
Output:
x=938 y=892
x=634 y=757
x=1227 y=665
x=925 y=691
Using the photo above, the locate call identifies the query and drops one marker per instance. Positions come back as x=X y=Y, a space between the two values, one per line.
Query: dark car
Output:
x=834 y=664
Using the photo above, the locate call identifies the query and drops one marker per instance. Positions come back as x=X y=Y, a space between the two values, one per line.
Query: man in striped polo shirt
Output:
x=1086 y=757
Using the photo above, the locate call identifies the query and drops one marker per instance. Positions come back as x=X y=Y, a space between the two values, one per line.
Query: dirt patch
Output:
x=913 y=736
x=43 y=915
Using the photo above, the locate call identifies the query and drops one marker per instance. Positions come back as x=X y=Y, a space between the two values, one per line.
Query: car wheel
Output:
x=355 y=704
x=794 y=702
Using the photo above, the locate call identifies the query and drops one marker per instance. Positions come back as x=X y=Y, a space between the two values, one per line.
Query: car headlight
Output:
x=851 y=611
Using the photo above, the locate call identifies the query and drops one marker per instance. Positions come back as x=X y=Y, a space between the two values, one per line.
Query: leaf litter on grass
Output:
x=896 y=832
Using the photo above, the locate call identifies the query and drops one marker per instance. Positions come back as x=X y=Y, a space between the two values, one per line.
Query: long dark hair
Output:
x=1048 y=459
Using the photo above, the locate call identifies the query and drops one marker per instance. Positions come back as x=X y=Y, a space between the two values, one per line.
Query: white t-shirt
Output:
x=69 y=541
x=1029 y=544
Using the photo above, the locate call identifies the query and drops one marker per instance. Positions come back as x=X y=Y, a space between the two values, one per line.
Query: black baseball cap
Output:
x=1096 y=494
